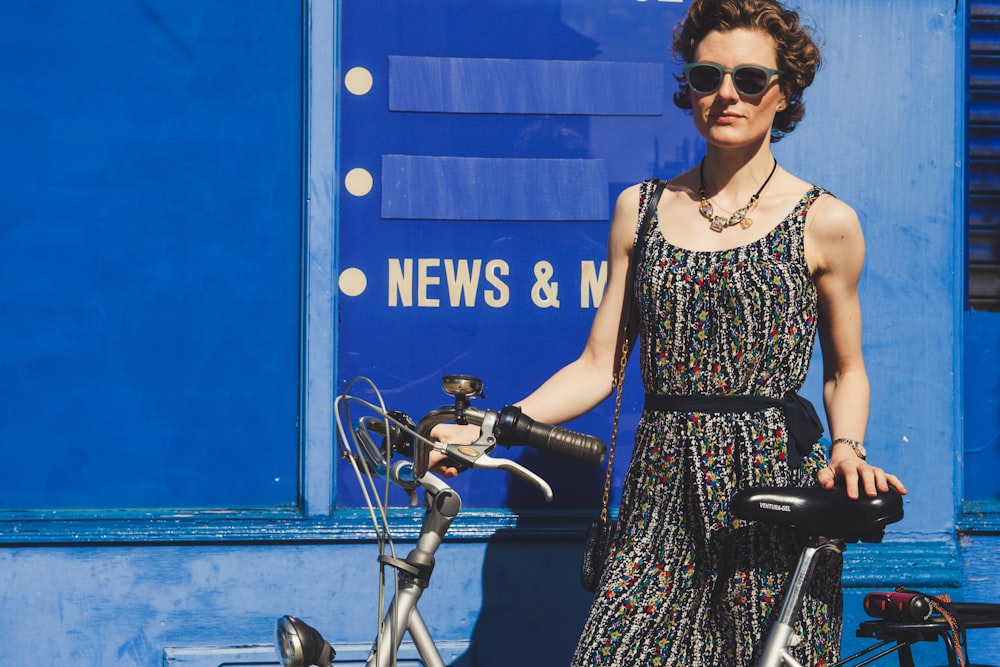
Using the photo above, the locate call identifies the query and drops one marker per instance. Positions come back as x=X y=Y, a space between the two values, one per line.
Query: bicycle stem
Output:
x=442 y=506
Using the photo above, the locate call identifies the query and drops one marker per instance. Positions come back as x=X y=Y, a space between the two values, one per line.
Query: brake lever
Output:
x=490 y=463
x=466 y=456
x=476 y=455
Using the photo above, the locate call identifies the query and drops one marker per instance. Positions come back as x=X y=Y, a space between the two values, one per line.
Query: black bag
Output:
x=601 y=531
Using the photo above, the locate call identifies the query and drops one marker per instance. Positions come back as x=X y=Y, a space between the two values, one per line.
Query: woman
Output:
x=744 y=263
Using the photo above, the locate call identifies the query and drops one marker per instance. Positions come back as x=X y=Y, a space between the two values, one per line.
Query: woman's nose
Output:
x=727 y=89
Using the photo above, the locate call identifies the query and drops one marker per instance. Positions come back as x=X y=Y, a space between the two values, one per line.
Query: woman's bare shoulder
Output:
x=833 y=218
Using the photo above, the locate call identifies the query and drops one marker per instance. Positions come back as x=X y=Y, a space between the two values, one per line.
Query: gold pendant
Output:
x=705 y=209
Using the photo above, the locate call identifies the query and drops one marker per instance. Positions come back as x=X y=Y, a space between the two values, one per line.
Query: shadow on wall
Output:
x=533 y=605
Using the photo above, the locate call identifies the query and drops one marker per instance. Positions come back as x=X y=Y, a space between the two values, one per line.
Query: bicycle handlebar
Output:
x=508 y=427
x=517 y=428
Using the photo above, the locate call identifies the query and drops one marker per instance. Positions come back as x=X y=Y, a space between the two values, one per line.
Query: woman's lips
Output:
x=726 y=118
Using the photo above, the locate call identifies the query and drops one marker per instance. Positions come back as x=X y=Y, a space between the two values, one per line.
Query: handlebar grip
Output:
x=516 y=428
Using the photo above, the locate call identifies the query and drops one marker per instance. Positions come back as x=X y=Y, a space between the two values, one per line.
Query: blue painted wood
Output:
x=136 y=606
x=924 y=562
x=981 y=560
x=982 y=410
x=981 y=333
x=222 y=656
x=523 y=86
x=981 y=516
x=423 y=187
x=149 y=255
x=320 y=331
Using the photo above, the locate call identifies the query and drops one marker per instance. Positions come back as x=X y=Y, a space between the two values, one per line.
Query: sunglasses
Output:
x=749 y=80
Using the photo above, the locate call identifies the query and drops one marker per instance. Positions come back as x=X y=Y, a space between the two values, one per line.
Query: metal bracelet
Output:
x=857 y=446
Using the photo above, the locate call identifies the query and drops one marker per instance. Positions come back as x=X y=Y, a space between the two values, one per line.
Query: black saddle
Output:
x=820 y=512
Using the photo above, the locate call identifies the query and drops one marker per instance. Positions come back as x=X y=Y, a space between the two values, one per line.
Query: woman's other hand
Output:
x=855 y=472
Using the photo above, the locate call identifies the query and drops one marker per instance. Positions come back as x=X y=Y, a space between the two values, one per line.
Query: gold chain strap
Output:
x=941 y=607
x=614 y=431
x=644 y=222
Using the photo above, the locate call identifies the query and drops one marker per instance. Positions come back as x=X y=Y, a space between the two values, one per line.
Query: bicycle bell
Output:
x=463 y=386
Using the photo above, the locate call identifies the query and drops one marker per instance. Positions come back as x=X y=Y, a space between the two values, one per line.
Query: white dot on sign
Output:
x=358 y=80
x=352 y=282
x=358 y=182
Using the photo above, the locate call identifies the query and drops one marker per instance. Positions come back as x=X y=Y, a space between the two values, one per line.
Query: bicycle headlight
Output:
x=300 y=645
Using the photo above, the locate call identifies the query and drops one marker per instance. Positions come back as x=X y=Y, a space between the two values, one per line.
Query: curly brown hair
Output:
x=798 y=55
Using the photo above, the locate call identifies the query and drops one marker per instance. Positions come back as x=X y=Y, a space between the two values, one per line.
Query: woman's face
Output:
x=725 y=118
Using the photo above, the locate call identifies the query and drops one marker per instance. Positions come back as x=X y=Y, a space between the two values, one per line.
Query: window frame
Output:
x=314 y=514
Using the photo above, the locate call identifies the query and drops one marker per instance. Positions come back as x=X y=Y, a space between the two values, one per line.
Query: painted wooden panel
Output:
x=483 y=146
x=149 y=254
x=155 y=606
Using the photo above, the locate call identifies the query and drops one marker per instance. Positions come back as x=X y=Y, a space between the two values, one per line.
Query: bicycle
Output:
x=300 y=645
x=828 y=518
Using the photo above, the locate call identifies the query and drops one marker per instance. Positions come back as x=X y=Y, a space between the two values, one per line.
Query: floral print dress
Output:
x=686 y=584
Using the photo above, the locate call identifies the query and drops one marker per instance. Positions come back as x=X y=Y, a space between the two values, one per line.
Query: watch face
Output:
x=860 y=450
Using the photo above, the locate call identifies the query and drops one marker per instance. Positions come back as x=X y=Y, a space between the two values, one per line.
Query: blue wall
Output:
x=142 y=584
x=149 y=253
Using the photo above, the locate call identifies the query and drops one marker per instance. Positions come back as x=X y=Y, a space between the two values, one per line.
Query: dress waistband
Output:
x=803 y=424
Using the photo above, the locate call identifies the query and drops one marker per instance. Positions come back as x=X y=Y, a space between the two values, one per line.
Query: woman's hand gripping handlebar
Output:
x=484 y=428
x=507 y=427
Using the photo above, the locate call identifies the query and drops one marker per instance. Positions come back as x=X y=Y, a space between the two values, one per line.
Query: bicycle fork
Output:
x=782 y=634
x=402 y=615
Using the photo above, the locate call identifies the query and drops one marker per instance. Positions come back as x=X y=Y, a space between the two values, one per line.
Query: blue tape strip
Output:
x=460 y=188
x=556 y=87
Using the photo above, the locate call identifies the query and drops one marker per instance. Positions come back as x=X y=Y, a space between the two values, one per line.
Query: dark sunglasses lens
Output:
x=750 y=80
x=704 y=79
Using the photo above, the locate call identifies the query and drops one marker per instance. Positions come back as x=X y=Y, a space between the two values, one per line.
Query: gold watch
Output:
x=857 y=446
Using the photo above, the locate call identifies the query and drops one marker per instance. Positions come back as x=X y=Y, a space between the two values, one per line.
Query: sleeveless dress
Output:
x=686 y=584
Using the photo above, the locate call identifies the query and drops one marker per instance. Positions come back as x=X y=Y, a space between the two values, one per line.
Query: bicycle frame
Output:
x=402 y=615
x=782 y=634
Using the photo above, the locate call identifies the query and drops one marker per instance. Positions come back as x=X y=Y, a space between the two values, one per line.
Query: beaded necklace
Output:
x=740 y=217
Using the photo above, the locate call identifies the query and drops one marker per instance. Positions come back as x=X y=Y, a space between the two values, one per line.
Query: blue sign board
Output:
x=482 y=147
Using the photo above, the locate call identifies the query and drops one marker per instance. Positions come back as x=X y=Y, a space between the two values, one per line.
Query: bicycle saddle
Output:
x=820 y=512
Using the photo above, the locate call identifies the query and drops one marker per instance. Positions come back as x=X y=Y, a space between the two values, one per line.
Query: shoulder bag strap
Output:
x=629 y=324
x=627 y=329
